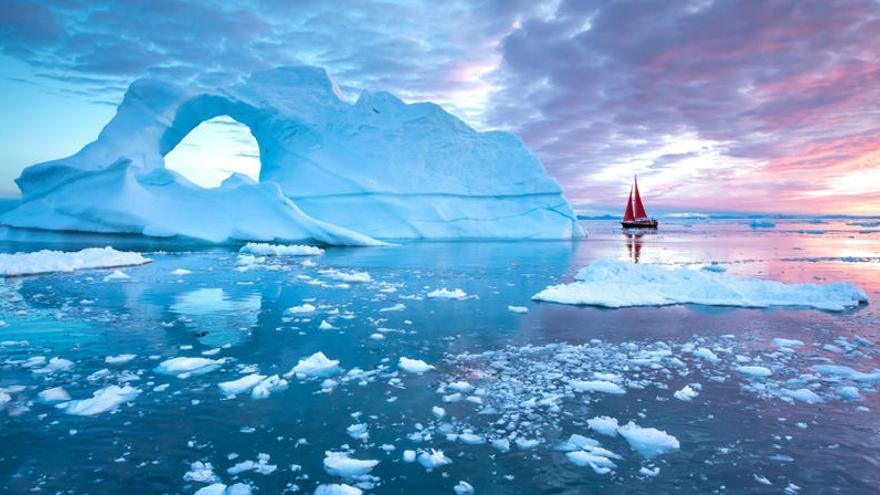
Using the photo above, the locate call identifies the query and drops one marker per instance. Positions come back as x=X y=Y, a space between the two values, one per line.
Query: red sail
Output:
x=640 y=209
x=628 y=216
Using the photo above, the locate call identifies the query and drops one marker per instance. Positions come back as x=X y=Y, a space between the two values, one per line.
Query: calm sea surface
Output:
x=738 y=435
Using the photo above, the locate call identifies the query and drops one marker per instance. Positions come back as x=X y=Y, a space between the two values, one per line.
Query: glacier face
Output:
x=331 y=171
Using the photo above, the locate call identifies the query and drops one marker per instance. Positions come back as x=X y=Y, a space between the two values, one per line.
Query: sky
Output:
x=729 y=105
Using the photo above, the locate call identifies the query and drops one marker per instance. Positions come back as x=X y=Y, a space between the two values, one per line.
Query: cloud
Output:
x=784 y=85
x=715 y=103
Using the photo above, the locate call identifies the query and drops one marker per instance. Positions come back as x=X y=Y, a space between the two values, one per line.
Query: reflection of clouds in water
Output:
x=226 y=320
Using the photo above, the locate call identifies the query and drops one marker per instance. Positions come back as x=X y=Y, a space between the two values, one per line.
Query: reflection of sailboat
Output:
x=634 y=246
x=635 y=216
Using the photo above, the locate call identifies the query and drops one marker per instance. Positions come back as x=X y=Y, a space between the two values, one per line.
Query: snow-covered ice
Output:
x=46 y=261
x=617 y=284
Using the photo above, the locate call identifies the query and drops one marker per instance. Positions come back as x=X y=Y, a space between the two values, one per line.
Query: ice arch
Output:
x=331 y=171
x=214 y=150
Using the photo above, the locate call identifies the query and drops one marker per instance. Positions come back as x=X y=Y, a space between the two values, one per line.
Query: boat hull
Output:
x=639 y=224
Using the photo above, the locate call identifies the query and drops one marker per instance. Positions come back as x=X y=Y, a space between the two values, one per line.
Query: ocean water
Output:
x=738 y=435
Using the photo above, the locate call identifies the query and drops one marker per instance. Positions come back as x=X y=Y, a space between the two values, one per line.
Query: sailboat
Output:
x=635 y=216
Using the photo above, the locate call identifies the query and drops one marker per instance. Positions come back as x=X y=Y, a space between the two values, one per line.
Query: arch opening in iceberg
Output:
x=213 y=151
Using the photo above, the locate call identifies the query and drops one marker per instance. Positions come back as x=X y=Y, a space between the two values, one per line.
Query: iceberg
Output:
x=332 y=171
x=617 y=284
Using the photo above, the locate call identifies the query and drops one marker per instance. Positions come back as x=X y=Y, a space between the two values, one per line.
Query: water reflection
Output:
x=634 y=245
x=216 y=318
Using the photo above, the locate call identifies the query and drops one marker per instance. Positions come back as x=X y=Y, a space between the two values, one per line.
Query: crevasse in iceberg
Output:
x=331 y=171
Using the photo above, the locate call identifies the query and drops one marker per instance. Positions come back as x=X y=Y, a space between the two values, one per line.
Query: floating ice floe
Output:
x=265 y=249
x=755 y=371
x=120 y=359
x=337 y=489
x=56 y=394
x=463 y=488
x=433 y=458
x=416 y=366
x=201 y=472
x=180 y=272
x=46 y=261
x=596 y=386
x=616 y=284
x=55 y=364
x=352 y=276
x=185 y=367
x=103 y=400
x=315 y=366
x=650 y=442
x=302 y=309
x=445 y=293
x=687 y=393
x=340 y=464
x=222 y=489
x=518 y=309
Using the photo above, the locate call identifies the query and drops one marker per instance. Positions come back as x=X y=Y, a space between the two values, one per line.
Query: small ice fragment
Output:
x=181 y=271
x=243 y=384
x=185 y=367
x=649 y=442
x=604 y=425
x=120 y=359
x=103 y=400
x=340 y=464
x=596 y=386
x=302 y=309
x=265 y=249
x=414 y=365
x=215 y=489
x=337 y=489
x=56 y=394
x=787 y=343
x=803 y=395
x=396 y=307
x=433 y=459
x=201 y=472
x=518 y=309
x=445 y=293
x=409 y=456
x=317 y=365
x=755 y=371
x=463 y=488
x=686 y=393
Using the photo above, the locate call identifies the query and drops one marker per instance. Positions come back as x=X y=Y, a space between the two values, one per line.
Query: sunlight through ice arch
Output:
x=617 y=284
x=331 y=171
